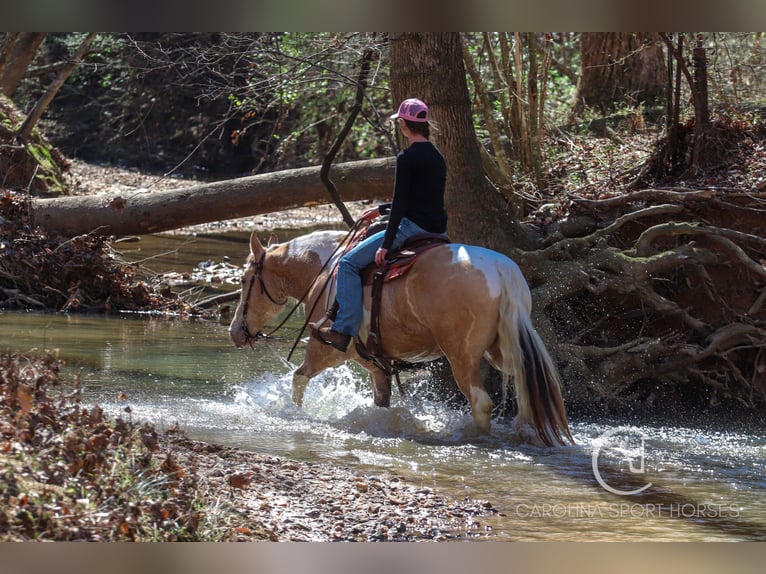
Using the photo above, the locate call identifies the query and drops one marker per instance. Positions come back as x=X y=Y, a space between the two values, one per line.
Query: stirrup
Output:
x=330 y=315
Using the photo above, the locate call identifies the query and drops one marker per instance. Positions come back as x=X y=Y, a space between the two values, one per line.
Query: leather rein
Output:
x=264 y=290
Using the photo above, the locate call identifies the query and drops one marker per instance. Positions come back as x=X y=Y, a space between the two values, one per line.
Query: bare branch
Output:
x=361 y=84
x=25 y=130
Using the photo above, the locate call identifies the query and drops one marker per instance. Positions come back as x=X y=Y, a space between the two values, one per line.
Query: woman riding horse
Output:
x=417 y=208
x=492 y=321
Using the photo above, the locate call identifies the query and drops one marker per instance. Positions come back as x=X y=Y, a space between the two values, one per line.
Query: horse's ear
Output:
x=273 y=239
x=255 y=244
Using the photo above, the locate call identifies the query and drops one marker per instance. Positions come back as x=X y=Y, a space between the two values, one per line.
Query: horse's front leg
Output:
x=318 y=358
x=300 y=382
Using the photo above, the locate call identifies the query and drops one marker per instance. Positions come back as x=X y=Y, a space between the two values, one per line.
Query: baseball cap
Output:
x=412 y=110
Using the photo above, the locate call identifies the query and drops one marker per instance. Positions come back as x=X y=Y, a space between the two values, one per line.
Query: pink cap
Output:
x=413 y=110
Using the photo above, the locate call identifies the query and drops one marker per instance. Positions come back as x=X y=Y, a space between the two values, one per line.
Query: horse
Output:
x=462 y=302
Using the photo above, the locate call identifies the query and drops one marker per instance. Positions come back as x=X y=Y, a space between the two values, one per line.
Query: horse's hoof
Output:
x=382 y=396
x=382 y=400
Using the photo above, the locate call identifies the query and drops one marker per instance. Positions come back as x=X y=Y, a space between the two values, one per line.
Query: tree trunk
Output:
x=5 y=50
x=533 y=99
x=619 y=68
x=701 y=105
x=18 y=54
x=685 y=152
x=151 y=212
x=430 y=66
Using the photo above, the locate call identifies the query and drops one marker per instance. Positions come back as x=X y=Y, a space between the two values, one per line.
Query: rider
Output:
x=417 y=208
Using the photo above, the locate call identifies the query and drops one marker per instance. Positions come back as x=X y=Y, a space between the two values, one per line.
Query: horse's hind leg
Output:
x=468 y=377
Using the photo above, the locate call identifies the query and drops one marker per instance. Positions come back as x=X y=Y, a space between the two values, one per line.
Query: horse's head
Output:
x=262 y=294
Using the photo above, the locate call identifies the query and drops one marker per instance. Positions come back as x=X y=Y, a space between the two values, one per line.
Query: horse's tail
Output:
x=526 y=359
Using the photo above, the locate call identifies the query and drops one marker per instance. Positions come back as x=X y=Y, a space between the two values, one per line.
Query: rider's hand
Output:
x=380 y=256
x=371 y=214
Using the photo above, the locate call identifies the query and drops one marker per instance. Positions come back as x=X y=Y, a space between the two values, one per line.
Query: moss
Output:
x=38 y=166
x=49 y=172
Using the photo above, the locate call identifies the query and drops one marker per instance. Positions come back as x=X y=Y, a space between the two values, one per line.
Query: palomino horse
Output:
x=459 y=301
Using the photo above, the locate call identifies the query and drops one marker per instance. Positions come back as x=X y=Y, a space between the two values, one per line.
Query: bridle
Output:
x=257 y=274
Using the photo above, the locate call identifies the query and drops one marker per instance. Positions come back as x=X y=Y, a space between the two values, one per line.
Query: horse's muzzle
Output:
x=243 y=337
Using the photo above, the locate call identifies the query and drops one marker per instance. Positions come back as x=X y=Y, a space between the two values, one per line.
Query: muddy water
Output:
x=704 y=482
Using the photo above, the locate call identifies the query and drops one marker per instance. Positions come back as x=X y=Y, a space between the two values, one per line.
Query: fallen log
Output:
x=143 y=212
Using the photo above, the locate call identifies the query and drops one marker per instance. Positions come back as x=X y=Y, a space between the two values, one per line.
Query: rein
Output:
x=259 y=274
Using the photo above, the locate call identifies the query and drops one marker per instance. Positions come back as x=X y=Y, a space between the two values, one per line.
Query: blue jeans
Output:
x=350 y=266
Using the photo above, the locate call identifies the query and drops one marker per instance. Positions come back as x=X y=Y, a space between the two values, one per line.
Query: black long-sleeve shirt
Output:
x=421 y=174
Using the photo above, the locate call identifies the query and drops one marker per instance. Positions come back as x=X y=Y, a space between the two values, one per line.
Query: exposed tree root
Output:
x=664 y=299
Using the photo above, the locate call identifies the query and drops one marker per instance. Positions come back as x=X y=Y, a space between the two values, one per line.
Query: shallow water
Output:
x=706 y=483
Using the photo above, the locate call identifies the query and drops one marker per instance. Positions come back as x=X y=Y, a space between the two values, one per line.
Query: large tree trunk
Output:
x=151 y=212
x=17 y=53
x=620 y=68
x=430 y=66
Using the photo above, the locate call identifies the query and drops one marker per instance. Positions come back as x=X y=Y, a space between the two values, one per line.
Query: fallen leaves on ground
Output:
x=69 y=472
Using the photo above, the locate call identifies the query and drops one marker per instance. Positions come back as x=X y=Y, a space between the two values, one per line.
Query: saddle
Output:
x=402 y=260
x=394 y=267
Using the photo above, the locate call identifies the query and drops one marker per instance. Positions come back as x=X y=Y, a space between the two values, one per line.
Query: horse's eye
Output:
x=242 y=280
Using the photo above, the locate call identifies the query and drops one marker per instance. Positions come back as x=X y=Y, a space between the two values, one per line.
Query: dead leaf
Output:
x=149 y=438
x=24 y=397
x=240 y=479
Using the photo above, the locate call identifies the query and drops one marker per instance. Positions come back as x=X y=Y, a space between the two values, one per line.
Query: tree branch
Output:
x=25 y=130
x=361 y=84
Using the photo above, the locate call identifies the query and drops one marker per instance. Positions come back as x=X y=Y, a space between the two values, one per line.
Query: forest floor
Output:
x=68 y=472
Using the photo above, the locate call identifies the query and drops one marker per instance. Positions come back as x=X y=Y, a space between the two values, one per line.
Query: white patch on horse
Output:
x=483 y=260
x=323 y=243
